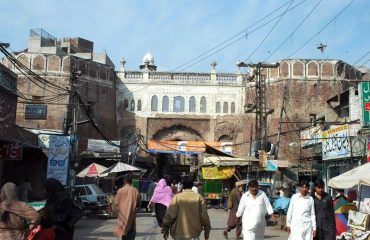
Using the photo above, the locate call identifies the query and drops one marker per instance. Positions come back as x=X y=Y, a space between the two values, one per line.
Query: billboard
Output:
x=58 y=158
x=336 y=143
x=36 y=111
x=311 y=136
x=98 y=145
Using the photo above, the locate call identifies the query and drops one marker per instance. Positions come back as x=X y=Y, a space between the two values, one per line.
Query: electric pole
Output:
x=260 y=107
x=73 y=110
x=282 y=110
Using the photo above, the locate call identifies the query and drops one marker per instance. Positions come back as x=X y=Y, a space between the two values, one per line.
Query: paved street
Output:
x=147 y=228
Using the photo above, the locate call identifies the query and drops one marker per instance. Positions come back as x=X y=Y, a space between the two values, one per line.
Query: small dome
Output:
x=148 y=59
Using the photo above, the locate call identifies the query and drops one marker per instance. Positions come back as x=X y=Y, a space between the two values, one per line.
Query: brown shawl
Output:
x=127 y=201
x=14 y=213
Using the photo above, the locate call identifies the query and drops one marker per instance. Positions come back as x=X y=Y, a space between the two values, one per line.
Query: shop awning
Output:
x=356 y=176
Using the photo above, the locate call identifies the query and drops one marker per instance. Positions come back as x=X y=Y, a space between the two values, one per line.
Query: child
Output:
x=45 y=230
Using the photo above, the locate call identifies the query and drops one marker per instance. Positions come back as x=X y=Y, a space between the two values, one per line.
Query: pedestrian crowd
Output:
x=181 y=214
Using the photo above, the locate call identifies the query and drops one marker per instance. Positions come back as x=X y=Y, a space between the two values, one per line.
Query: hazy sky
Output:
x=175 y=32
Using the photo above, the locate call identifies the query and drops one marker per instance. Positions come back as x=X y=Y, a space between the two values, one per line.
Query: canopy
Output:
x=227 y=161
x=356 y=176
x=92 y=170
x=120 y=167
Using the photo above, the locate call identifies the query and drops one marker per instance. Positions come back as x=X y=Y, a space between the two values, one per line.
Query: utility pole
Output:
x=73 y=110
x=282 y=110
x=260 y=107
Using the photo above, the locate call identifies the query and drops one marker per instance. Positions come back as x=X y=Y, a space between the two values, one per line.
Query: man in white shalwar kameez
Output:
x=301 y=219
x=253 y=207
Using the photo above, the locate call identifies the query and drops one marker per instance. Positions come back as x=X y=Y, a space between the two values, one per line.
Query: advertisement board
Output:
x=98 y=145
x=11 y=151
x=336 y=143
x=217 y=172
x=311 y=136
x=58 y=158
x=36 y=111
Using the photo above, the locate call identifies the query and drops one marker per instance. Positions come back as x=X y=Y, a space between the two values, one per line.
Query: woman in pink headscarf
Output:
x=161 y=197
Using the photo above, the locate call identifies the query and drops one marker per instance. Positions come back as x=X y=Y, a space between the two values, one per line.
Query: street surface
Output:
x=147 y=228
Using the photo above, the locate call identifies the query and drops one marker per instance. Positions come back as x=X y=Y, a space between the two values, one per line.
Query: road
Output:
x=147 y=228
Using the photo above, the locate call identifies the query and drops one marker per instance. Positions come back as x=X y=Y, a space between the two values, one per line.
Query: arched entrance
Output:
x=178 y=133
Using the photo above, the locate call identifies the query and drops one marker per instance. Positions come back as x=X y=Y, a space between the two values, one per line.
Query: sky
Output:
x=187 y=35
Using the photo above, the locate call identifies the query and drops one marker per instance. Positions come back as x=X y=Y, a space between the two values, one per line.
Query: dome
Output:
x=148 y=59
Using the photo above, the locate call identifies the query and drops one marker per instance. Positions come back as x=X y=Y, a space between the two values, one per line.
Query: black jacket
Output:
x=325 y=217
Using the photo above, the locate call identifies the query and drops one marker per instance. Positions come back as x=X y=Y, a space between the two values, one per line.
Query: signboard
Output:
x=187 y=147
x=358 y=220
x=58 y=158
x=217 y=172
x=311 y=136
x=36 y=111
x=271 y=166
x=11 y=151
x=336 y=143
x=97 y=145
x=365 y=91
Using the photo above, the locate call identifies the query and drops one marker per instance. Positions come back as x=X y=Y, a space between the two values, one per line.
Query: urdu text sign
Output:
x=365 y=89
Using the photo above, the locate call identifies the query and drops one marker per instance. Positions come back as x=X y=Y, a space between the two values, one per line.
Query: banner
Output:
x=187 y=147
x=217 y=172
x=11 y=151
x=97 y=145
x=365 y=91
x=58 y=158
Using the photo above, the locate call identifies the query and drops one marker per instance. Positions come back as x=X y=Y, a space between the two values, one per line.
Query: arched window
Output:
x=178 y=104
x=226 y=107
x=165 y=104
x=218 y=107
x=154 y=104
x=132 y=106
x=125 y=105
x=139 y=105
x=232 y=107
x=203 y=105
x=192 y=104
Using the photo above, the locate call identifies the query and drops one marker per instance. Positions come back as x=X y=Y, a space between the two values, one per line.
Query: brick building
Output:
x=46 y=108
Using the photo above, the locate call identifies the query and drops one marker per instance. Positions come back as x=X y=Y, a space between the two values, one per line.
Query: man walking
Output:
x=234 y=200
x=187 y=215
x=127 y=201
x=253 y=207
x=301 y=219
x=324 y=211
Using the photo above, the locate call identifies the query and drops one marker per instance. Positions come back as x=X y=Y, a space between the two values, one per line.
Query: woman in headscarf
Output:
x=63 y=209
x=14 y=214
x=161 y=197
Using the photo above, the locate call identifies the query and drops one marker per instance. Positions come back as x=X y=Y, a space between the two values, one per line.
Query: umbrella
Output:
x=356 y=176
x=93 y=170
x=120 y=167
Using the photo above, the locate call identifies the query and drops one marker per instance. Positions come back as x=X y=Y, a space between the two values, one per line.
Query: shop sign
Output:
x=311 y=136
x=365 y=90
x=97 y=145
x=336 y=143
x=368 y=149
x=217 y=172
x=11 y=151
x=36 y=111
x=58 y=158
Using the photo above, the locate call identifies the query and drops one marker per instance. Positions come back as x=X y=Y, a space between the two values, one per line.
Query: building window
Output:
x=178 y=104
x=192 y=104
x=165 y=104
x=218 y=107
x=125 y=105
x=132 y=106
x=232 y=107
x=154 y=104
x=203 y=105
x=226 y=107
x=139 y=105
x=37 y=99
